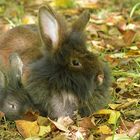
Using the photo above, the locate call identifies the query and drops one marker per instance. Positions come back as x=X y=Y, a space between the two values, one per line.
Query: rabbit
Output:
x=24 y=40
x=68 y=77
x=14 y=100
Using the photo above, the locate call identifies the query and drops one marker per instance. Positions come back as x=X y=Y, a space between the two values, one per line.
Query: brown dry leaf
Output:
x=104 y=129
x=66 y=121
x=112 y=40
x=30 y=116
x=113 y=61
x=60 y=126
x=129 y=36
x=128 y=103
x=124 y=126
x=86 y=123
x=114 y=19
x=27 y=128
x=113 y=106
x=80 y=133
x=1 y=115
x=134 y=130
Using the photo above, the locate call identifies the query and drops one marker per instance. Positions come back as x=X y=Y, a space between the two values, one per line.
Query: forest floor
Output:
x=114 y=34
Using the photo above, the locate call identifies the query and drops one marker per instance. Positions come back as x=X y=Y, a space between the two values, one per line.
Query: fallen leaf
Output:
x=113 y=106
x=104 y=129
x=86 y=123
x=122 y=137
x=134 y=130
x=44 y=130
x=30 y=116
x=129 y=36
x=60 y=126
x=65 y=121
x=114 y=115
x=128 y=103
x=26 y=128
x=1 y=115
x=79 y=135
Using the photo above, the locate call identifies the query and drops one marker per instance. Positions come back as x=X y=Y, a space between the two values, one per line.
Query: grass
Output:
x=8 y=131
x=129 y=70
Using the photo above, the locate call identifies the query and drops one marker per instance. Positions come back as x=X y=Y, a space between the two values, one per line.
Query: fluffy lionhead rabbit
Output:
x=14 y=100
x=68 y=77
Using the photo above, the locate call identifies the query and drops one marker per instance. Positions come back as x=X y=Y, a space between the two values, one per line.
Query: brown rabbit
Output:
x=23 y=40
x=65 y=76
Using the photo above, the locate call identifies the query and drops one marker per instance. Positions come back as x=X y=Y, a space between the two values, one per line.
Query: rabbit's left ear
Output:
x=80 y=24
x=52 y=27
x=16 y=66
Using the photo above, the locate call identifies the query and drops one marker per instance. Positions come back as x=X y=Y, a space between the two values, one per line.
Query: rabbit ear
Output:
x=81 y=22
x=2 y=80
x=16 y=65
x=49 y=26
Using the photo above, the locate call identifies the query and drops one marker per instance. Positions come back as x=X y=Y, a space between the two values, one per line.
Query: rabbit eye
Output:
x=75 y=63
x=12 y=106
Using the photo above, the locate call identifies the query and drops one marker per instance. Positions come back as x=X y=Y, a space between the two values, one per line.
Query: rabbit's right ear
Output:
x=16 y=65
x=80 y=24
x=51 y=26
x=2 y=80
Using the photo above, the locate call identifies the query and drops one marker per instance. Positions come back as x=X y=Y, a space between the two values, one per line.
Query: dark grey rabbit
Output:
x=68 y=77
x=14 y=100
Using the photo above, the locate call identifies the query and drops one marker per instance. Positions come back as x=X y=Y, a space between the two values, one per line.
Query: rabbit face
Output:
x=14 y=101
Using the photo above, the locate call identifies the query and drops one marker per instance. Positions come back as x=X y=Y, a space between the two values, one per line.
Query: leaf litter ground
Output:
x=114 y=34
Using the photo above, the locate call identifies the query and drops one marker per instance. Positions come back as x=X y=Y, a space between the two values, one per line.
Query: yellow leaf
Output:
x=114 y=115
x=104 y=111
x=44 y=130
x=104 y=129
x=26 y=128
